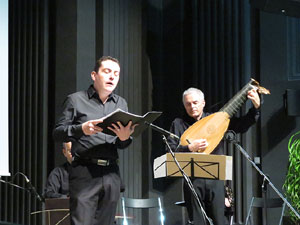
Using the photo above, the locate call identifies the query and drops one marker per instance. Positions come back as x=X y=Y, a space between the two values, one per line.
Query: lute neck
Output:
x=239 y=99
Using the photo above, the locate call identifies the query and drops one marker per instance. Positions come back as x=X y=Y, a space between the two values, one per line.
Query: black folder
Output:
x=124 y=117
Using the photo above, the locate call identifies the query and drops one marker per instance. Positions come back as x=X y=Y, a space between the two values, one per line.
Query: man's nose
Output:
x=111 y=76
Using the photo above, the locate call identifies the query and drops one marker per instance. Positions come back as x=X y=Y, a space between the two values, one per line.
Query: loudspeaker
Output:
x=283 y=7
x=292 y=105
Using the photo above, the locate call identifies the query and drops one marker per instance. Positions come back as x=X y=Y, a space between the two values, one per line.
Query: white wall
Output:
x=4 y=166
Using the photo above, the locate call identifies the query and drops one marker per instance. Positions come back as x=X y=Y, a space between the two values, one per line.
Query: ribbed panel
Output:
x=218 y=54
x=220 y=62
x=203 y=46
x=27 y=112
x=122 y=38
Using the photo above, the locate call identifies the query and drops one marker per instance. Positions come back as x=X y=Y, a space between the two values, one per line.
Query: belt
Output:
x=103 y=162
x=99 y=162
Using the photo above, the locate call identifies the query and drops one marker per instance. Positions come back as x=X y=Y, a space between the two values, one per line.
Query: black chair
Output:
x=57 y=211
x=189 y=211
x=260 y=203
x=228 y=212
x=142 y=204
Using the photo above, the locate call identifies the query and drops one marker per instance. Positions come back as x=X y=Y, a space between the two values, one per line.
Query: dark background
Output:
x=164 y=47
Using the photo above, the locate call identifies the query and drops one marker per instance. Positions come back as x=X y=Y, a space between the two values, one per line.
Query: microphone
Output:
x=33 y=190
x=230 y=136
x=162 y=131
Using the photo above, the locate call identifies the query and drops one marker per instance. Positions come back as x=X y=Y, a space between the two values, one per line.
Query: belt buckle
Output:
x=102 y=162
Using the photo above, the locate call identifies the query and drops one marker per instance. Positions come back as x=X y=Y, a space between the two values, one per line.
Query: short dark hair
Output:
x=104 y=58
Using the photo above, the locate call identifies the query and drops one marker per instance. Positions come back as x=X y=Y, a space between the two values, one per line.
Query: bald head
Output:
x=67 y=151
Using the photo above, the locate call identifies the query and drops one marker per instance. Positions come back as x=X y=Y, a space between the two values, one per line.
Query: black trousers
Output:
x=212 y=197
x=94 y=194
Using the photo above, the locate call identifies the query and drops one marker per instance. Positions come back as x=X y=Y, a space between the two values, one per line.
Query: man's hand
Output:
x=90 y=127
x=198 y=145
x=227 y=203
x=254 y=97
x=123 y=132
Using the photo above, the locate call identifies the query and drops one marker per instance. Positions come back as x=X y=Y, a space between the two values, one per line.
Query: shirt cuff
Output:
x=123 y=144
x=76 y=131
x=182 y=148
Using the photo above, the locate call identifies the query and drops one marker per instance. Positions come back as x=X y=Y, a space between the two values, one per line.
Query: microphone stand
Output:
x=184 y=175
x=34 y=191
x=31 y=188
x=14 y=185
x=231 y=137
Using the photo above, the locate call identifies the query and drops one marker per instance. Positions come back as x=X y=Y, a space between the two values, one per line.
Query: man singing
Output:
x=94 y=176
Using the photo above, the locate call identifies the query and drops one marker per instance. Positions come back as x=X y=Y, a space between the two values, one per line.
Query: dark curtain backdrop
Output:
x=199 y=44
x=27 y=110
x=204 y=44
x=207 y=44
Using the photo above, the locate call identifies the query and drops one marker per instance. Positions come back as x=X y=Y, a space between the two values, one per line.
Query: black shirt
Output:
x=83 y=106
x=57 y=185
x=238 y=125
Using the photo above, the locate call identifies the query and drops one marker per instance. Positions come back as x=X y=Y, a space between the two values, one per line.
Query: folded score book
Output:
x=125 y=117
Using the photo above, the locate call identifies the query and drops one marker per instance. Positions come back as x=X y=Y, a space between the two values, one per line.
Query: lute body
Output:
x=213 y=127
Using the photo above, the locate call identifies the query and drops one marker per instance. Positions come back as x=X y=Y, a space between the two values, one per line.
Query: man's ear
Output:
x=93 y=74
x=203 y=103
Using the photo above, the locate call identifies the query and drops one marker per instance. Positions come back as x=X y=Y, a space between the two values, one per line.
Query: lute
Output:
x=213 y=127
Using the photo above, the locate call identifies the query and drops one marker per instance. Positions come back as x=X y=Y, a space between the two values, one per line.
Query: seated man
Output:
x=57 y=185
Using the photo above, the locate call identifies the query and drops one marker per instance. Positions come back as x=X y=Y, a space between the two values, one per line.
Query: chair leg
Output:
x=231 y=220
x=162 y=218
x=124 y=213
x=282 y=213
x=249 y=211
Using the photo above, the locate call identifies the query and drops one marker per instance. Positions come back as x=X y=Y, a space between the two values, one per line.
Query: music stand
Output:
x=217 y=167
x=184 y=175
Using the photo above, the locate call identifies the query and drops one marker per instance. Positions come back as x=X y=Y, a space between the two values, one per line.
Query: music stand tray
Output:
x=218 y=167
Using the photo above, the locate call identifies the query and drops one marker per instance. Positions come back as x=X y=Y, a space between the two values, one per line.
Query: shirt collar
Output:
x=191 y=120
x=93 y=93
